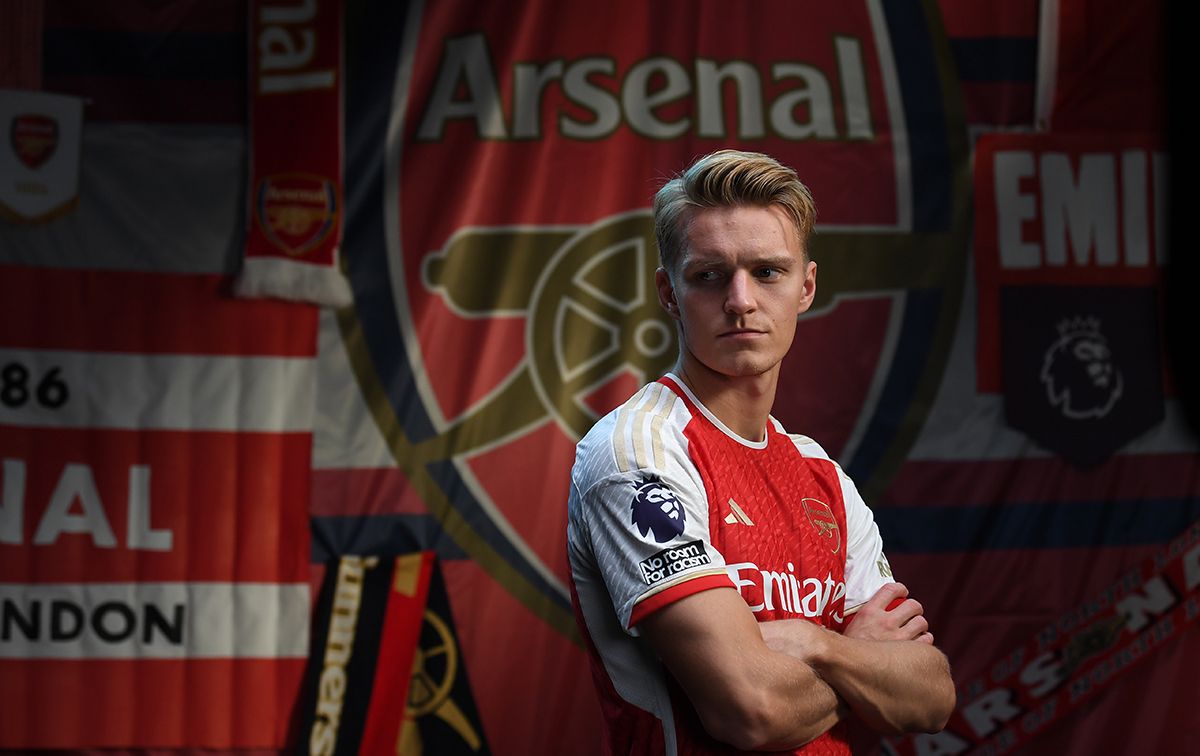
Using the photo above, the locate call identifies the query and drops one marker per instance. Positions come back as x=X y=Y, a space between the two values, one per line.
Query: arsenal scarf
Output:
x=385 y=672
x=295 y=192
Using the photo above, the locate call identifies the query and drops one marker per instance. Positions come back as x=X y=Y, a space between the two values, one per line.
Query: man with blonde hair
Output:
x=728 y=577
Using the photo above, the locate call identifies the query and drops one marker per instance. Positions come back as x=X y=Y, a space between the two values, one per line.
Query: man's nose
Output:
x=739 y=296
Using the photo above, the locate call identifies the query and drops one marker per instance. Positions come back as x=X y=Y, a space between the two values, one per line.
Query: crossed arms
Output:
x=778 y=685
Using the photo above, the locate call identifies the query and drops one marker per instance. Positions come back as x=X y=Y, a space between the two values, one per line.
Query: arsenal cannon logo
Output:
x=504 y=267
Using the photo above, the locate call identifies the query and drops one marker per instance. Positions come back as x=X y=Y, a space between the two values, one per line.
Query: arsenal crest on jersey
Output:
x=824 y=522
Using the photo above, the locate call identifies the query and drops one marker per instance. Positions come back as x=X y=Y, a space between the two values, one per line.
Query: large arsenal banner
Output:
x=984 y=357
x=503 y=262
x=153 y=540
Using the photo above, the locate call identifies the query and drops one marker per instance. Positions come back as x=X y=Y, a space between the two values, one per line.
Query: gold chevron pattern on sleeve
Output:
x=637 y=438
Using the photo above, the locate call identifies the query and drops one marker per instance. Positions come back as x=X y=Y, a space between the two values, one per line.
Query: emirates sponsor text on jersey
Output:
x=768 y=590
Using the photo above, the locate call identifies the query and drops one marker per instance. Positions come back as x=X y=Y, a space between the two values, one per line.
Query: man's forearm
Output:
x=891 y=685
x=746 y=693
x=791 y=706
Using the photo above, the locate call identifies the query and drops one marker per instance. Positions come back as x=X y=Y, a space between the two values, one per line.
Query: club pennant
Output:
x=1069 y=244
x=39 y=161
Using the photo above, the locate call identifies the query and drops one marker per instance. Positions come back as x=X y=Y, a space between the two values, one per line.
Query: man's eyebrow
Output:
x=699 y=260
x=775 y=261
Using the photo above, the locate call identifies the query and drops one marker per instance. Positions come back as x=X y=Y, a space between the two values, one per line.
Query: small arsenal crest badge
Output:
x=821 y=517
x=296 y=211
x=33 y=138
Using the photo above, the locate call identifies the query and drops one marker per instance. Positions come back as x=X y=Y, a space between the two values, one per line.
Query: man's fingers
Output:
x=907 y=610
x=890 y=595
x=891 y=615
x=916 y=626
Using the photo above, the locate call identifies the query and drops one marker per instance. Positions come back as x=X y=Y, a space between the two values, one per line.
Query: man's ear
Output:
x=810 y=288
x=666 y=293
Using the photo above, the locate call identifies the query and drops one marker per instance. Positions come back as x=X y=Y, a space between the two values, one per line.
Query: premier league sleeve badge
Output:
x=656 y=509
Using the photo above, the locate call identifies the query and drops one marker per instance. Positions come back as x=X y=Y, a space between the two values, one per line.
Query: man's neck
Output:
x=742 y=403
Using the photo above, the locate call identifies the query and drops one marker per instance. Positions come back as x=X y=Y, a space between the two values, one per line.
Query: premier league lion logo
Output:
x=656 y=508
x=1078 y=371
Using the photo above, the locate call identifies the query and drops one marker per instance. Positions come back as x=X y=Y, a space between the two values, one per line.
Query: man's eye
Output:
x=768 y=273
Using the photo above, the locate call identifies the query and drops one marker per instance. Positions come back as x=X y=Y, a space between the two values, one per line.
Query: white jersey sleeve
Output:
x=638 y=512
x=867 y=568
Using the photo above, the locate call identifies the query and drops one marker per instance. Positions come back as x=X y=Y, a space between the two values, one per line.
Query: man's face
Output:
x=739 y=285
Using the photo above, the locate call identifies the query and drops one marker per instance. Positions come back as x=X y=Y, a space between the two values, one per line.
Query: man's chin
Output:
x=746 y=369
x=738 y=365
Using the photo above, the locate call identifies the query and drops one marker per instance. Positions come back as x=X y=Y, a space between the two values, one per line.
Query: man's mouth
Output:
x=742 y=333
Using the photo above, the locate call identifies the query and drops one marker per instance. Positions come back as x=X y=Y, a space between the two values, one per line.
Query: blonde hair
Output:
x=729 y=178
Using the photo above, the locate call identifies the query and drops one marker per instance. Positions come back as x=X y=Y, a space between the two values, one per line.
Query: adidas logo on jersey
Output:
x=737 y=516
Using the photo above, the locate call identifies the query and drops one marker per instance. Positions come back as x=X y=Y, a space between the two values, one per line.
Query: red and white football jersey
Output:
x=665 y=502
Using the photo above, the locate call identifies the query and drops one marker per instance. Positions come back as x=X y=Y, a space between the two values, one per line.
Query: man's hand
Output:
x=884 y=665
x=890 y=615
x=752 y=695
